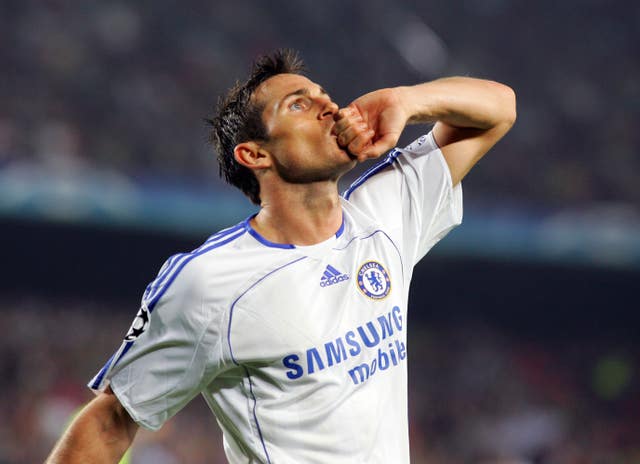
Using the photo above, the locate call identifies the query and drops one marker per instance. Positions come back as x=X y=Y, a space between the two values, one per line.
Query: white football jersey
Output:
x=300 y=351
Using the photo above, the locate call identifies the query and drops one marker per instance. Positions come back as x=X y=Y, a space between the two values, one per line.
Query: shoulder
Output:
x=396 y=164
x=422 y=145
x=193 y=271
x=214 y=272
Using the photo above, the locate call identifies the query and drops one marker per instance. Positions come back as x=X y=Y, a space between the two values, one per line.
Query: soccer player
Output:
x=292 y=324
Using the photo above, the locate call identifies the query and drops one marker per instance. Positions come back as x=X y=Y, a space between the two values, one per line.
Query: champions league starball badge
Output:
x=373 y=280
x=139 y=324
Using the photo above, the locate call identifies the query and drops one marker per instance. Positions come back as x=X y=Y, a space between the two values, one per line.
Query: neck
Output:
x=301 y=214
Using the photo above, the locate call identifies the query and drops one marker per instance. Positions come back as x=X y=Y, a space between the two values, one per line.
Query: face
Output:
x=298 y=115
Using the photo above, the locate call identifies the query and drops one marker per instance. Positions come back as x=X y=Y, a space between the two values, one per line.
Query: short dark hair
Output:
x=238 y=119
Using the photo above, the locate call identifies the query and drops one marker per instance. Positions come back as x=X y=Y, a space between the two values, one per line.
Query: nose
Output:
x=329 y=109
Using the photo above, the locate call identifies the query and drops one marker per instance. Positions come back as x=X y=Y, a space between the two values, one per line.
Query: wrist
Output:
x=418 y=103
x=406 y=102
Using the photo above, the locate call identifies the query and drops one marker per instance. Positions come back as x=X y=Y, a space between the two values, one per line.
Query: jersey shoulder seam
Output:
x=177 y=263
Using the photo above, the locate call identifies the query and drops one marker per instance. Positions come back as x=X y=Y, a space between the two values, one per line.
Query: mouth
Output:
x=344 y=149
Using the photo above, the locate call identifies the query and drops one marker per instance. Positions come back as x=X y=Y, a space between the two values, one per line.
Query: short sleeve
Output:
x=411 y=194
x=171 y=352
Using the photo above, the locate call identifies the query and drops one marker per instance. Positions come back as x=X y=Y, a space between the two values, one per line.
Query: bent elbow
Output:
x=509 y=105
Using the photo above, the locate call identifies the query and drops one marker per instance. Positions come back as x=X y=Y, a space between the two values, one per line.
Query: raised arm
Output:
x=471 y=115
x=101 y=433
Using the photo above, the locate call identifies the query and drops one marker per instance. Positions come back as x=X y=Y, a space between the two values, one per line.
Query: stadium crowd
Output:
x=123 y=86
x=478 y=395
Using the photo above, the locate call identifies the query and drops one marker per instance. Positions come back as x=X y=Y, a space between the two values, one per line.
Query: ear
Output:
x=251 y=155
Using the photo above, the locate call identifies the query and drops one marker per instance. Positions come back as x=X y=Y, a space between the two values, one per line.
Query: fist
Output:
x=352 y=132
x=372 y=124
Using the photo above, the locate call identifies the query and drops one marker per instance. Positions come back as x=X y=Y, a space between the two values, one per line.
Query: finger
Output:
x=344 y=120
x=348 y=135
x=382 y=145
x=359 y=143
x=350 y=110
x=345 y=112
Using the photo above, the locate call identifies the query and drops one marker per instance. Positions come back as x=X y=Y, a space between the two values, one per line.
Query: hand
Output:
x=371 y=124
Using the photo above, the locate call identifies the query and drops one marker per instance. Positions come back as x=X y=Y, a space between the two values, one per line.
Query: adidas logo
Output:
x=332 y=276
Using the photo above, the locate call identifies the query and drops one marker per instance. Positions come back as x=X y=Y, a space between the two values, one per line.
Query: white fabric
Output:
x=299 y=351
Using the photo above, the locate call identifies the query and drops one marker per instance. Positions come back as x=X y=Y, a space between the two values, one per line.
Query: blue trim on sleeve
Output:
x=178 y=268
x=113 y=360
x=172 y=262
x=388 y=161
x=176 y=265
x=98 y=379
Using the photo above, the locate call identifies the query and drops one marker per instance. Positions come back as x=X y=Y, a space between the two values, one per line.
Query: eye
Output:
x=298 y=105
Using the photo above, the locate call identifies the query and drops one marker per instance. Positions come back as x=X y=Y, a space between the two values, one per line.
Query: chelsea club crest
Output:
x=373 y=280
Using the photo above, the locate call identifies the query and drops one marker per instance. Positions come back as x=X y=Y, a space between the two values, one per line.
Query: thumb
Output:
x=382 y=145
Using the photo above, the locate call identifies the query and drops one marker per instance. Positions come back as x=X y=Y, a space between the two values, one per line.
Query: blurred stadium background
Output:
x=524 y=332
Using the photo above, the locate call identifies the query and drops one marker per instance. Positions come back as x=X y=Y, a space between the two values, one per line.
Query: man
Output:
x=292 y=324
